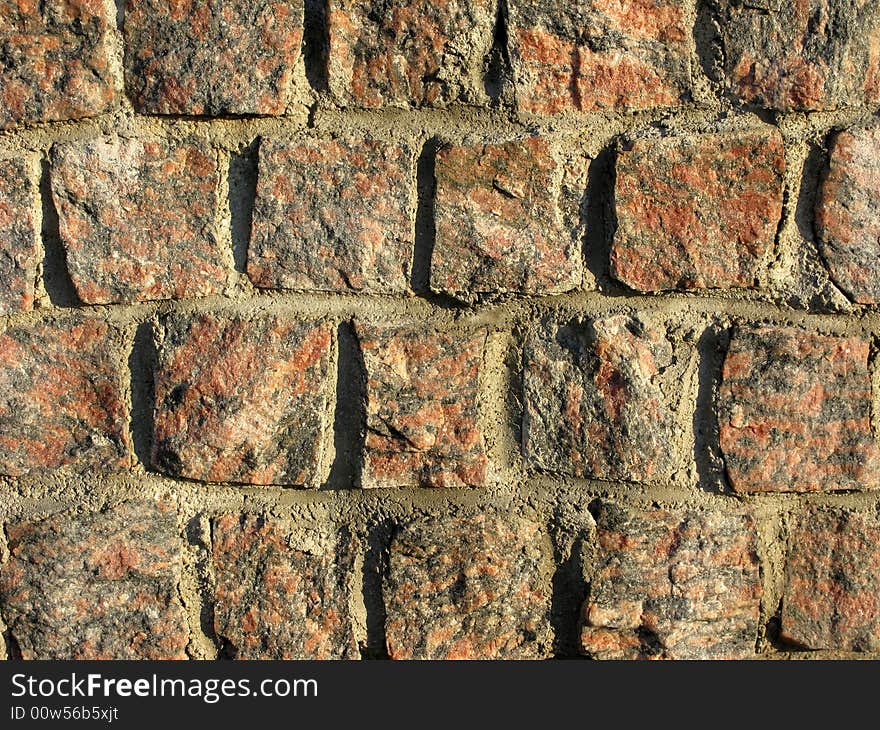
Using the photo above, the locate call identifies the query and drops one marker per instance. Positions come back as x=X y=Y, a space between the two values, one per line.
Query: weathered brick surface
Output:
x=241 y=399
x=831 y=598
x=848 y=214
x=673 y=584
x=212 y=57
x=408 y=53
x=795 y=412
x=136 y=218
x=61 y=400
x=440 y=278
x=422 y=410
x=593 y=404
x=281 y=594
x=804 y=55
x=96 y=586
x=18 y=235
x=498 y=223
x=333 y=215
x=467 y=588
x=599 y=55
x=697 y=212
x=55 y=59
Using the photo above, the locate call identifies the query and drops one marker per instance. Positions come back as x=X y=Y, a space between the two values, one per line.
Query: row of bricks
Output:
x=682 y=583
x=140 y=219
x=247 y=399
x=245 y=56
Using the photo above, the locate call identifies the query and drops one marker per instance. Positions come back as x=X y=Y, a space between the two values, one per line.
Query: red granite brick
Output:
x=137 y=218
x=468 y=588
x=408 y=53
x=56 y=60
x=282 y=593
x=697 y=212
x=96 y=586
x=333 y=215
x=599 y=55
x=19 y=235
x=795 y=412
x=499 y=227
x=673 y=584
x=422 y=412
x=61 y=401
x=212 y=57
x=831 y=598
x=593 y=403
x=848 y=214
x=806 y=55
x=266 y=424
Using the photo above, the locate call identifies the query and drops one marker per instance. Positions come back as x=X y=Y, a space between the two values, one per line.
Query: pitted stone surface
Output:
x=848 y=214
x=408 y=53
x=19 y=235
x=831 y=598
x=593 y=404
x=282 y=594
x=212 y=57
x=804 y=55
x=599 y=55
x=467 y=588
x=333 y=215
x=136 y=218
x=795 y=412
x=241 y=399
x=697 y=212
x=422 y=410
x=498 y=224
x=673 y=584
x=61 y=402
x=96 y=586
x=55 y=57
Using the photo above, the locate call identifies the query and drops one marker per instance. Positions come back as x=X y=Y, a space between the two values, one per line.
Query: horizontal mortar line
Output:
x=124 y=120
x=736 y=303
x=419 y=120
x=542 y=494
x=852 y=499
x=37 y=488
x=415 y=123
x=506 y=313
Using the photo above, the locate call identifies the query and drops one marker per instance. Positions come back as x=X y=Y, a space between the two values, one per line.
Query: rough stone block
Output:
x=809 y=55
x=137 y=218
x=422 y=411
x=795 y=412
x=848 y=214
x=697 y=212
x=593 y=403
x=599 y=55
x=673 y=584
x=212 y=57
x=61 y=402
x=19 y=235
x=408 y=53
x=282 y=593
x=241 y=399
x=96 y=586
x=468 y=588
x=831 y=598
x=499 y=227
x=333 y=215
x=56 y=60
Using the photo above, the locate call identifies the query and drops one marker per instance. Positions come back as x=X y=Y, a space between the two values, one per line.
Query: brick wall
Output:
x=439 y=329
